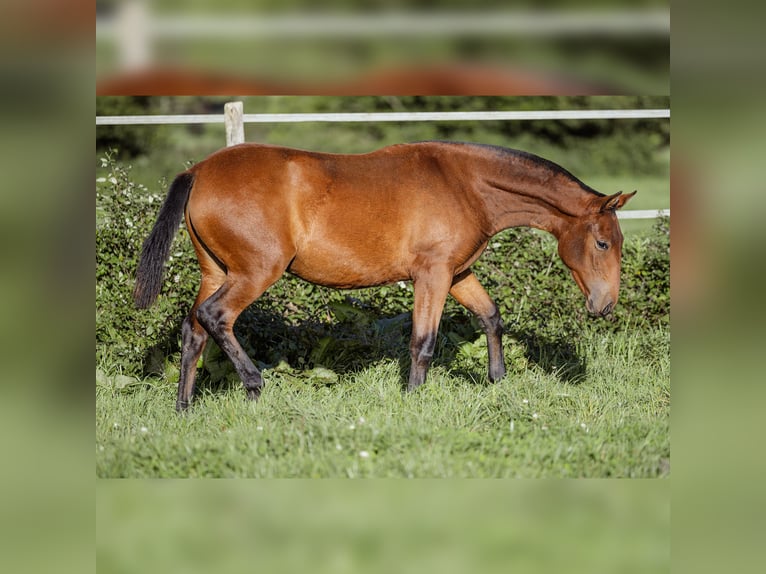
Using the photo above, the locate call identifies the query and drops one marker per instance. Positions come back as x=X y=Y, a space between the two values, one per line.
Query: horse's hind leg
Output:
x=219 y=312
x=193 y=335
x=467 y=290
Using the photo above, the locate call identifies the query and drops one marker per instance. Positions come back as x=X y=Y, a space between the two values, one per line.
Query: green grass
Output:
x=603 y=413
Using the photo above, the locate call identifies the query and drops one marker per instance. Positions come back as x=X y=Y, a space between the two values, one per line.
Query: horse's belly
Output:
x=348 y=268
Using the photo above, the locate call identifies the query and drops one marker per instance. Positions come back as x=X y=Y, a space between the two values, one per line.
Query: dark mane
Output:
x=536 y=159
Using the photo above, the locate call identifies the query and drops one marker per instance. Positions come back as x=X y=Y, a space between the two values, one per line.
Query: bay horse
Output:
x=422 y=212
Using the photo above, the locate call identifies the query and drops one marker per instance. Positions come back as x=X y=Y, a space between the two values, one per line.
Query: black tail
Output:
x=156 y=249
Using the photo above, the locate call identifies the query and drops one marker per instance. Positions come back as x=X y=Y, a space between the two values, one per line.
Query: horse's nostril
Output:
x=606 y=310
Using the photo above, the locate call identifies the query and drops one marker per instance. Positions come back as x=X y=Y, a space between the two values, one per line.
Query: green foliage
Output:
x=125 y=212
x=646 y=277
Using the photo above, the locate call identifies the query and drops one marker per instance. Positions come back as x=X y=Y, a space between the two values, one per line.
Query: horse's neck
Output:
x=518 y=198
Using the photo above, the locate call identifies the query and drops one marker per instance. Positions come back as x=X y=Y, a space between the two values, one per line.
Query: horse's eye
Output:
x=602 y=245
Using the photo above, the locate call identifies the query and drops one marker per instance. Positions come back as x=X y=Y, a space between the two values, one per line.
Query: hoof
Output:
x=493 y=378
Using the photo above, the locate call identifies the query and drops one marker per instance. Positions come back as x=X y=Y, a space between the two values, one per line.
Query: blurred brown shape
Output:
x=690 y=279
x=447 y=79
x=42 y=21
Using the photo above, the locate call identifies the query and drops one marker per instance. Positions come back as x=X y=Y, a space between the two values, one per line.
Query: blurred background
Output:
x=374 y=47
x=340 y=526
x=718 y=126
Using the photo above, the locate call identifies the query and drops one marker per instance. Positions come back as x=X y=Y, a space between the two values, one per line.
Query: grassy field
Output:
x=606 y=416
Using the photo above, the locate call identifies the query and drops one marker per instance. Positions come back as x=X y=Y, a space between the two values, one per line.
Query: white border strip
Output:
x=387 y=117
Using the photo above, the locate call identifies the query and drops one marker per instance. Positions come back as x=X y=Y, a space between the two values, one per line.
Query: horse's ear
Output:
x=616 y=201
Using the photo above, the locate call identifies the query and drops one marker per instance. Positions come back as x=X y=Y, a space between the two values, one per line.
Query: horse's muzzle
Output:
x=600 y=309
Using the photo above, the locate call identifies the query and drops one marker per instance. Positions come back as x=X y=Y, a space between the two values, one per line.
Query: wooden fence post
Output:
x=235 y=127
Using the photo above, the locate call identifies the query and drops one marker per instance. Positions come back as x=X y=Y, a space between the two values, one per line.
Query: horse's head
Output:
x=592 y=249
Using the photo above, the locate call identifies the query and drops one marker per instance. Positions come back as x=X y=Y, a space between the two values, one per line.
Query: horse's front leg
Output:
x=431 y=288
x=467 y=291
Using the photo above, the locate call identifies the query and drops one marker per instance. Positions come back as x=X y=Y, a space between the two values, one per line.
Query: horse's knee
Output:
x=192 y=332
x=218 y=323
x=492 y=323
x=422 y=349
x=210 y=317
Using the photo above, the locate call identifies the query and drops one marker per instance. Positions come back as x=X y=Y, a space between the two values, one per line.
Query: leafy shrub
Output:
x=307 y=325
x=125 y=213
x=646 y=277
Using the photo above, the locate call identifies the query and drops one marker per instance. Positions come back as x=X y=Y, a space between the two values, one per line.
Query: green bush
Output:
x=307 y=325
x=125 y=213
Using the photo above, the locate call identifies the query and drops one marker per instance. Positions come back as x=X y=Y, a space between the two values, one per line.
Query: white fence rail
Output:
x=233 y=118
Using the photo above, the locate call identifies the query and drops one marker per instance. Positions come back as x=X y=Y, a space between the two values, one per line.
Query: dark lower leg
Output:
x=193 y=342
x=421 y=351
x=217 y=316
x=493 y=328
x=223 y=335
x=467 y=290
